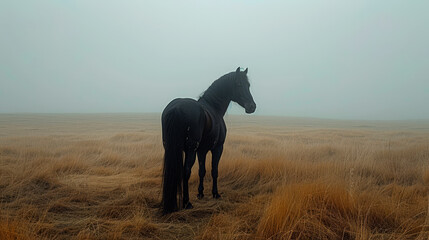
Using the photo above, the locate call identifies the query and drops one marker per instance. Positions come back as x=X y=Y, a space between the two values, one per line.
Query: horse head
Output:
x=242 y=94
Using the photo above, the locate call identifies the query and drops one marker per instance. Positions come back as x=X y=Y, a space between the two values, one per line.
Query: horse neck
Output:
x=218 y=97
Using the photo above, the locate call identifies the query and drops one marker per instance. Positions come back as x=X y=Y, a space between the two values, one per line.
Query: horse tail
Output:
x=173 y=137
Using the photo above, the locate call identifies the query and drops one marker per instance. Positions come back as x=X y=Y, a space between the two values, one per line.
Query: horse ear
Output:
x=245 y=71
x=238 y=70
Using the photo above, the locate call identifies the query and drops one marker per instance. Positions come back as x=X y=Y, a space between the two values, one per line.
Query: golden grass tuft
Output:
x=308 y=211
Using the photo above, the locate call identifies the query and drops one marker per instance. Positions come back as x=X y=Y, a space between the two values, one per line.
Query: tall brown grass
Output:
x=99 y=177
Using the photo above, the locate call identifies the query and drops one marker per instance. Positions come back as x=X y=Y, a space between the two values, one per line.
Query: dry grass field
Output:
x=98 y=176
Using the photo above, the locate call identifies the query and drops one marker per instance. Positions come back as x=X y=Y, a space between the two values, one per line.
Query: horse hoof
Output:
x=188 y=206
x=200 y=196
x=216 y=195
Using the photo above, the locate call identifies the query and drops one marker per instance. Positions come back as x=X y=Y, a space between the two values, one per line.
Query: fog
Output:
x=324 y=59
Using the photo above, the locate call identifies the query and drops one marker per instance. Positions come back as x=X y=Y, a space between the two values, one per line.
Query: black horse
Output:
x=196 y=127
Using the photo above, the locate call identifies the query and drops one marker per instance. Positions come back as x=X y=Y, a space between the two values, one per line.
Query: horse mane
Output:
x=220 y=83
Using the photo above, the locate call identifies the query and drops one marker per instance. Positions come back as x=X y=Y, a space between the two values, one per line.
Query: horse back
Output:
x=186 y=109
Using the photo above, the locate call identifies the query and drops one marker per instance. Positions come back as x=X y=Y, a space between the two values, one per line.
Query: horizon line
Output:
x=227 y=114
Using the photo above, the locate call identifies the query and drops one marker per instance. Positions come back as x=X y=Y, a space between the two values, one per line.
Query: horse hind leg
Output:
x=190 y=154
x=201 y=173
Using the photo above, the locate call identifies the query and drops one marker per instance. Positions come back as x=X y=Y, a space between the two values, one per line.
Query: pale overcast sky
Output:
x=327 y=59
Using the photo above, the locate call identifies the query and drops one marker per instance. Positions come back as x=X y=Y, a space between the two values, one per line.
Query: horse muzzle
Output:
x=250 y=108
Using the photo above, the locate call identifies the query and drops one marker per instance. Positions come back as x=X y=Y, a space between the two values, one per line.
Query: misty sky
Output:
x=326 y=59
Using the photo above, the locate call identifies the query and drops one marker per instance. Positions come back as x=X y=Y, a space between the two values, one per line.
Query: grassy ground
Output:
x=99 y=177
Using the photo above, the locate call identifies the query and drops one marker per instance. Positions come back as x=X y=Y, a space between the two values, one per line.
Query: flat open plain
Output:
x=98 y=176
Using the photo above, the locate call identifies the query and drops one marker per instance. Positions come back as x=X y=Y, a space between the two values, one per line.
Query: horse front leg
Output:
x=201 y=172
x=189 y=162
x=216 y=153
